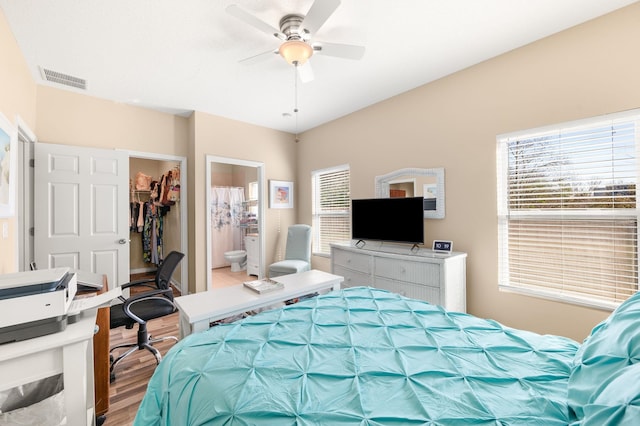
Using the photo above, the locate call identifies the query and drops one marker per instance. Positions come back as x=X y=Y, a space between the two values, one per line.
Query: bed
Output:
x=364 y=356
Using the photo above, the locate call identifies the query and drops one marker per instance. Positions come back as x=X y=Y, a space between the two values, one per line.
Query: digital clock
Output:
x=442 y=246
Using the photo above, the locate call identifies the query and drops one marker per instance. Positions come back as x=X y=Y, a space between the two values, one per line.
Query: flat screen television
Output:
x=399 y=220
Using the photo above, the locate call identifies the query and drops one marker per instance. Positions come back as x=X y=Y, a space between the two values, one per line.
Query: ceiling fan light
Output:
x=295 y=51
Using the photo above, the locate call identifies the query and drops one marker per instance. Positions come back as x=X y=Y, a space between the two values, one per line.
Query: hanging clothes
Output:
x=140 y=217
x=174 y=190
x=153 y=228
x=136 y=216
x=147 y=217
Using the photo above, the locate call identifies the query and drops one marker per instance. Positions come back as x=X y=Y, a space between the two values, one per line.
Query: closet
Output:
x=154 y=217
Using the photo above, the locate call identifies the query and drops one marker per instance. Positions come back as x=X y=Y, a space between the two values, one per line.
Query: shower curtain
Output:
x=226 y=213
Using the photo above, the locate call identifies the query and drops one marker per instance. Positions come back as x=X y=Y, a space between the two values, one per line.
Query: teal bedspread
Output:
x=362 y=356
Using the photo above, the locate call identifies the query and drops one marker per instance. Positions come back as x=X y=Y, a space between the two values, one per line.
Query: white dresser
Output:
x=438 y=278
x=252 y=246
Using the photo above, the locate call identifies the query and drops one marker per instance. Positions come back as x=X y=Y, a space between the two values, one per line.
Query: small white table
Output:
x=199 y=310
x=69 y=352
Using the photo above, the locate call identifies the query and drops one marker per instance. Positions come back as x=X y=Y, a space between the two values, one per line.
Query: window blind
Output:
x=567 y=210
x=331 y=207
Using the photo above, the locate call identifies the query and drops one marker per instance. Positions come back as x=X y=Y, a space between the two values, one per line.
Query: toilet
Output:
x=238 y=259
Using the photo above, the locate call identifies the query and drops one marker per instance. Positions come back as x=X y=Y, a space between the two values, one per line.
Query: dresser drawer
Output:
x=352 y=278
x=415 y=291
x=408 y=271
x=437 y=278
x=354 y=261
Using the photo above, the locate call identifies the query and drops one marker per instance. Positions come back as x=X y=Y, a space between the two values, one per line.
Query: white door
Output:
x=81 y=207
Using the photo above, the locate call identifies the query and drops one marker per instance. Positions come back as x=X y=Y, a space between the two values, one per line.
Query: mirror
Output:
x=428 y=183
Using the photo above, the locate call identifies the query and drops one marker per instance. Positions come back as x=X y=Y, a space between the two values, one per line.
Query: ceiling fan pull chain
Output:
x=295 y=96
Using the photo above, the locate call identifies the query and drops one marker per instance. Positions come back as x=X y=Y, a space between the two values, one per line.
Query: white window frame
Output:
x=318 y=214
x=524 y=215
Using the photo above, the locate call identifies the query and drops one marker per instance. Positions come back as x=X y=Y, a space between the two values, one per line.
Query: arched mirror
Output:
x=428 y=183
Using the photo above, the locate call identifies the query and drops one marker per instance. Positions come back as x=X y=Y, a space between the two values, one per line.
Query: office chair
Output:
x=142 y=307
x=297 y=257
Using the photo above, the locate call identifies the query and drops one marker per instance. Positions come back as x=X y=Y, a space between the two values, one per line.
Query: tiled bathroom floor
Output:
x=223 y=277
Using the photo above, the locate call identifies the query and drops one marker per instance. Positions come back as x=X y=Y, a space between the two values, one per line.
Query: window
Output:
x=567 y=216
x=331 y=206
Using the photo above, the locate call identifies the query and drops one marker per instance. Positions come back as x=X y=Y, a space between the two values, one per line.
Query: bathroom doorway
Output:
x=235 y=219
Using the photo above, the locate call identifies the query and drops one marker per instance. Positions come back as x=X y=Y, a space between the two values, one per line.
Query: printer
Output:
x=35 y=303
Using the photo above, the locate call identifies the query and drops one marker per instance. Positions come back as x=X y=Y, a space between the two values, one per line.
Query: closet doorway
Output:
x=27 y=238
x=169 y=212
x=238 y=186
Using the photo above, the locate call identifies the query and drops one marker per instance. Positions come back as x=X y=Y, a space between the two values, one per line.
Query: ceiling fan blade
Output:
x=305 y=72
x=318 y=14
x=258 y=57
x=257 y=23
x=346 y=51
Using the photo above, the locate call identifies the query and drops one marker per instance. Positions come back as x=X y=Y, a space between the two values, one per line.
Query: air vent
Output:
x=64 y=79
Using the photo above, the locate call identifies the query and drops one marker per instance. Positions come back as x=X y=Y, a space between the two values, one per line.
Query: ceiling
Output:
x=183 y=56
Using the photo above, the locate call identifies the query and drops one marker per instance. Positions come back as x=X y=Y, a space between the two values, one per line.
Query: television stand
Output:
x=438 y=278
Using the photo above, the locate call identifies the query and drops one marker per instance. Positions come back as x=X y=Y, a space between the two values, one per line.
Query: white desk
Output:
x=69 y=352
x=199 y=310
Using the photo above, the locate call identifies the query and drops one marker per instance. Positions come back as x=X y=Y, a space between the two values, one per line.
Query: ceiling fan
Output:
x=297 y=33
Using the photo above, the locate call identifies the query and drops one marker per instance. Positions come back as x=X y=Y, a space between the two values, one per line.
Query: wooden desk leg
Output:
x=101 y=361
x=101 y=346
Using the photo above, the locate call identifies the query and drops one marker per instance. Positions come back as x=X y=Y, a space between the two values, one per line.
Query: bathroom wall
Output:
x=233 y=175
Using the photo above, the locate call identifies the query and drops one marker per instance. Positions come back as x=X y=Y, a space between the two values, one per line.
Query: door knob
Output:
x=122 y=241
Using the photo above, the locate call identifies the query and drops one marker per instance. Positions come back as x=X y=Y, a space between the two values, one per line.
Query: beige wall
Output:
x=232 y=139
x=223 y=174
x=71 y=118
x=17 y=99
x=452 y=123
x=17 y=88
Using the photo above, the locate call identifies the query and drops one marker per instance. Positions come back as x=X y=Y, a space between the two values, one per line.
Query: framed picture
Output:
x=280 y=194
x=8 y=167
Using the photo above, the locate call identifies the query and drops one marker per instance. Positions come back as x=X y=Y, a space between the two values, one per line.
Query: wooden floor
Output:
x=133 y=373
